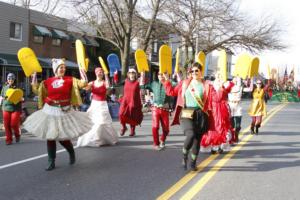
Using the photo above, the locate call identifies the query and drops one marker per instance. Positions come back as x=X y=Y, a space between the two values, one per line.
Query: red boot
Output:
x=132 y=131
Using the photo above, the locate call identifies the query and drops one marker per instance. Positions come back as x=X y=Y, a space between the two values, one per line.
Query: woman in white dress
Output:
x=102 y=132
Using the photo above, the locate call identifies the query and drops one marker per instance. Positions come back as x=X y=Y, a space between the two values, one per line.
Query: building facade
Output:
x=47 y=35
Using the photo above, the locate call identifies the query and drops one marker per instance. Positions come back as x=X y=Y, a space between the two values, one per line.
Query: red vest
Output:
x=59 y=90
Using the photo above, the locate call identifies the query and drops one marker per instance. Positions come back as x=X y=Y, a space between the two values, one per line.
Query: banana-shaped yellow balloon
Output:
x=103 y=65
x=28 y=61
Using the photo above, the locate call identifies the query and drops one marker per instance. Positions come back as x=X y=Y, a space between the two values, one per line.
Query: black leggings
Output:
x=192 y=140
x=236 y=122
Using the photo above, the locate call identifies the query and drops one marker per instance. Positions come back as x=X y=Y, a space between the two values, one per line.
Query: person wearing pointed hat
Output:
x=131 y=105
x=57 y=120
x=102 y=132
x=11 y=112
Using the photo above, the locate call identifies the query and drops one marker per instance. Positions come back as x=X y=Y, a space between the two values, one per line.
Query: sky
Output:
x=287 y=13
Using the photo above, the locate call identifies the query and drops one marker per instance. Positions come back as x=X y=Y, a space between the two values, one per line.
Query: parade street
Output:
x=260 y=167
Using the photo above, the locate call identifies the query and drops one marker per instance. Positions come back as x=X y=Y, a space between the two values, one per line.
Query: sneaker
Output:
x=18 y=139
x=156 y=147
x=8 y=143
x=162 y=145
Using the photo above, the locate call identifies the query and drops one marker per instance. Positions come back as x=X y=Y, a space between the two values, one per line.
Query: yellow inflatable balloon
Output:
x=28 y=61
x=201 y=59
x=222 y=64
x=253 y=71
x=14 y=95
x=242 y=66
x=82 y=61
x=103 y=65
x=177 y=60
x=165 y=59
x=141 y=60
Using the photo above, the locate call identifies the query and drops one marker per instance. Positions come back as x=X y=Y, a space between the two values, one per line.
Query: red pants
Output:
x=11 y=121
x=162 y=116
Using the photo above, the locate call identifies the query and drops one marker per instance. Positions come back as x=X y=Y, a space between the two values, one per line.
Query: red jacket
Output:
x=177 y=91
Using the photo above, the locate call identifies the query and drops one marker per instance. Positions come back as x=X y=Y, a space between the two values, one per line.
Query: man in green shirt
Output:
x=160 y=111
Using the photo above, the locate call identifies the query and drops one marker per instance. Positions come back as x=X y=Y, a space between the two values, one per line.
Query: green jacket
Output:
x=7 y=105
x=160 y=98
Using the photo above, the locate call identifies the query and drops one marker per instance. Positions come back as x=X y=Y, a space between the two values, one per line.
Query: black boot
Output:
x=72 y=157
x=193 y=165
x=237 y=132
x=51 y=149
x=256 y=129
x=51 y=165
x=69 y=147
x=184 y=161
x=252 y=129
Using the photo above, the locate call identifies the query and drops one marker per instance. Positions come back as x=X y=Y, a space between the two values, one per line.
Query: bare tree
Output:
x=119 y=21
x=214 y=24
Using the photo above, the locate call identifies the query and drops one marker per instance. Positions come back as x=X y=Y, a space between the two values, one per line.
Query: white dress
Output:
x=52 y=123
x=234 y=100
x=102 y=132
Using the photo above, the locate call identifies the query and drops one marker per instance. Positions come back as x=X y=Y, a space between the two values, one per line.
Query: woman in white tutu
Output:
x=102 y=132
x=57 y=120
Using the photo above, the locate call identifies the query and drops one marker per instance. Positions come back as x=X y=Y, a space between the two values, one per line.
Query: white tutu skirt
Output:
x=52 y=123
x=102 y=132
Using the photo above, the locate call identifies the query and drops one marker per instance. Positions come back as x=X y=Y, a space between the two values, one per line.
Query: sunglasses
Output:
x=196 y=71
x=10 y=79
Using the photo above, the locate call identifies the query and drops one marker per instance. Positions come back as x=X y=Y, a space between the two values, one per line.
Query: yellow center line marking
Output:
x=189 y=176
x=201 y=183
